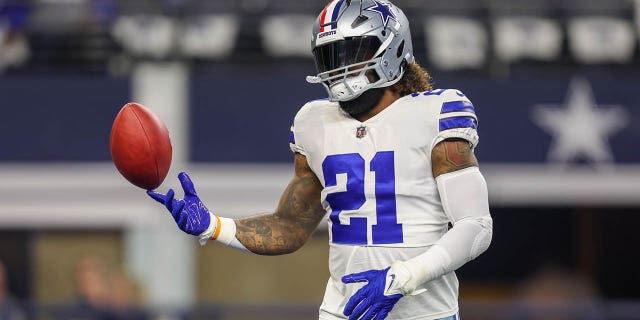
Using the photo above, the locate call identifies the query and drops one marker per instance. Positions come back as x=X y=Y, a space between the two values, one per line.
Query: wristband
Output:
x=222 y=230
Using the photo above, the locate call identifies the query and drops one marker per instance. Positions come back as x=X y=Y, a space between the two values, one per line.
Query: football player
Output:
x=389 y=159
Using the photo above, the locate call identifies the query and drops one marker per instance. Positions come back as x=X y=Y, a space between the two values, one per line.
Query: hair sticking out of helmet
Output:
x=353 y=56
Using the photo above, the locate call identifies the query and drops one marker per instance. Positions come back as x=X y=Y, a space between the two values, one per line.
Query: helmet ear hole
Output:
x=400 y=49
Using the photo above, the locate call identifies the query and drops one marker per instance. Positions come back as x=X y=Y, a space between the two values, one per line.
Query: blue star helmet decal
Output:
x=384 y=9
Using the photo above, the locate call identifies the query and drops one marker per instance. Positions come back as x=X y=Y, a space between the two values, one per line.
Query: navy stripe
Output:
x=292 y=138
x=435 y=92
x=458 y=122
x=334 y=16
x=457 y=106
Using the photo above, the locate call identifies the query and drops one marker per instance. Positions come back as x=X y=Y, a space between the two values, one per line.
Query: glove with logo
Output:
x=372 y=300
x=383 y=290
x=191 y=215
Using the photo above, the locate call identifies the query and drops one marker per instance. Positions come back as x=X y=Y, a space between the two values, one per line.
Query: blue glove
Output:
x=190 y=213
x=371 y=298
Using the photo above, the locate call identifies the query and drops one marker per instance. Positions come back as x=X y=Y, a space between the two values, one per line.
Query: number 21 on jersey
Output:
x=386 y=230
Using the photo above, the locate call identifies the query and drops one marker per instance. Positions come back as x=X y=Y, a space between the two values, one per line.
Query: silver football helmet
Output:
x=359 y=45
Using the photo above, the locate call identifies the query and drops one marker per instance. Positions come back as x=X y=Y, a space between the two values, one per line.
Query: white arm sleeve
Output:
x=465 y=201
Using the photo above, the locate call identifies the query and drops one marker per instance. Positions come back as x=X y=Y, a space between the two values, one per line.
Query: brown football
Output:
x=140 y=146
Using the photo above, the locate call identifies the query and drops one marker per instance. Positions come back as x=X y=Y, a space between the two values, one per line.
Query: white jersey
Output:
x=379 y=191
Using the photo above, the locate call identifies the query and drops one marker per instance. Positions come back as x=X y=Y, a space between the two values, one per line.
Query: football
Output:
x=140 y=146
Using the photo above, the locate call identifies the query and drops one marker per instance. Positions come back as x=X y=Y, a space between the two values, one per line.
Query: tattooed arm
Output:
x=295 y=219
x=452 y=155
x=282 y=232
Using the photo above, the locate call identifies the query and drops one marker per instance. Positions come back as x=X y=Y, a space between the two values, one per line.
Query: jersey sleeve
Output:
x=296 y=143
x=293 y=145
x=457 y=119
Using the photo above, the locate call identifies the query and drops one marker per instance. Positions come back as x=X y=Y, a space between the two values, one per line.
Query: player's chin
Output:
x=363 y=103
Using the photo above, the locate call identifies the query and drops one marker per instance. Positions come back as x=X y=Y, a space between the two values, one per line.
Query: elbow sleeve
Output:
x=483 y=238
x=465 y=201
x=467 y=240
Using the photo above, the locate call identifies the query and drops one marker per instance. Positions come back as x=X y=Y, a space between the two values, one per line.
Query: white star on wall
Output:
x=579 y=128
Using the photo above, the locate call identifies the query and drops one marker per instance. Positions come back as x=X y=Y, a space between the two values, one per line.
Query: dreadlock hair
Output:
x=415 y=79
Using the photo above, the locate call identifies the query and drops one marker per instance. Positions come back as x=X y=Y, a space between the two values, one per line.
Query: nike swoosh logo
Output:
x=393 y=277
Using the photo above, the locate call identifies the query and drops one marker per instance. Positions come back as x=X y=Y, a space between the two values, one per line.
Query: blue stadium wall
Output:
x=244 y=116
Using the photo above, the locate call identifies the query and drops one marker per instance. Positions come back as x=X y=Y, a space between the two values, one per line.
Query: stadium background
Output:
x=554 y=82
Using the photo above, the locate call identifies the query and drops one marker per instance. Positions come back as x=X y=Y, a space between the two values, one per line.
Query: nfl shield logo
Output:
x=361 y=132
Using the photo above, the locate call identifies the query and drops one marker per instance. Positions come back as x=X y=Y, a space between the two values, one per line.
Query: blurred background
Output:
x=555 y=85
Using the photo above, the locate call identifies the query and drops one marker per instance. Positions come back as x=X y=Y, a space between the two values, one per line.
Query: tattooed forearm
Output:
x=297 y=216
x=256 y=234
x=452 y=155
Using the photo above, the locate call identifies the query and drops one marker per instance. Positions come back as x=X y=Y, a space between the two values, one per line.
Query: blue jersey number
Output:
x=387 y=230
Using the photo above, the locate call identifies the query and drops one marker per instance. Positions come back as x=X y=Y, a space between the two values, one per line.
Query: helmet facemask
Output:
x=348 y=67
